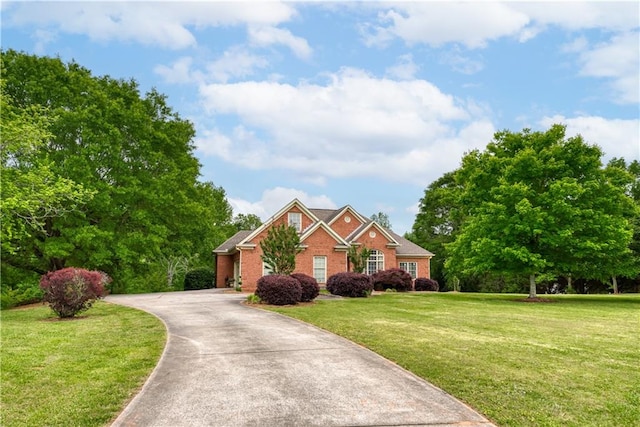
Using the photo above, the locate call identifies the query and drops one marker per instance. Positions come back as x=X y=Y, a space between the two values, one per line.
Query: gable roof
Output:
x=329 y=230
x=323 y=218
x=366 y=226
x=338 y=213
x=294 y=202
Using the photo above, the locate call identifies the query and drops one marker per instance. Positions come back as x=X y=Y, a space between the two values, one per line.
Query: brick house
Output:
x=325 y=237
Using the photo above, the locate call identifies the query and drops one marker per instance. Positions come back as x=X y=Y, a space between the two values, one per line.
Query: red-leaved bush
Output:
x=310 y=288
x=278 y=289
x=72 y=290
x=424 y=284
x=350 y=284
x=393 y=278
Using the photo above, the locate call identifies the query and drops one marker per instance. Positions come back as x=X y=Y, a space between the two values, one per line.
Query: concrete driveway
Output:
x=226 y=364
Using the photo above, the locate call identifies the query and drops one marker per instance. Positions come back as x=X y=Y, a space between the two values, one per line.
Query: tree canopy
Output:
x=280 y=247
x=382 y=219
x=131 y=191
x=537 y=203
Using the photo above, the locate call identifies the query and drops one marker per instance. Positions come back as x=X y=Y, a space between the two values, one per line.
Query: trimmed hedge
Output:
x=278 y=289
x=350 y=284
x=393 y=278
x=199 y=278
x=72 y=290
x=424 y=284
x=309 y=285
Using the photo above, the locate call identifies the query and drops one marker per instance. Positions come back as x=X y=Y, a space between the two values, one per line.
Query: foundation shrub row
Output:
x=350 y=284
x=424 y=284
x=393 y=278
x=279 y=289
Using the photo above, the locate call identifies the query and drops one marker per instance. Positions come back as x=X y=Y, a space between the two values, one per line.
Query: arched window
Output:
x=375 y=262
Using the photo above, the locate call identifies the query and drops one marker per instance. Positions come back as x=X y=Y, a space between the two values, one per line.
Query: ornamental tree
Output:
x=72 y=290
x=358 y=256
x=280 y=247
x=537 y=203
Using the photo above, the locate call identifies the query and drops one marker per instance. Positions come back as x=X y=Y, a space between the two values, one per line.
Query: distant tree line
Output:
x=534 y=211
x=97 y=175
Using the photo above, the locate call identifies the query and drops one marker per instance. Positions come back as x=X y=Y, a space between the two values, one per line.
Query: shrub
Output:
x=309 y=285
x=393 y=278
x=253 y=299
x=424 y=284
x=199 y=278
x=72 y=290
x=350 y=284
x=23 y=293
x=278 y=289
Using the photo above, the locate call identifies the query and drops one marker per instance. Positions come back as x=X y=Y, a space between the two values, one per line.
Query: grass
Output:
x=570 y=362
x=78 y=372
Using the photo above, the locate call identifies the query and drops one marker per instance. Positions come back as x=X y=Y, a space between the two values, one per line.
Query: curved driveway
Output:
x=226 y=364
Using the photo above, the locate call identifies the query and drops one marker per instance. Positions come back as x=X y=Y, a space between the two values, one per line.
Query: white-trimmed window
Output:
x=295 y=220
x=375 y=262
x=266 y=269
x=320 y=268
x=411 y=268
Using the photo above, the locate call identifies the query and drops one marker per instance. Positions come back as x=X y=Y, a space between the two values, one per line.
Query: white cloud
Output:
x=577 y=45
x=475 y=24
x=578 y=15
x=235 y=62
x=437 y=23
x=179 y=72
x=275 y=198
x=462 y=64
x=269 y=35
x=355 y=125
x=404 y=69
x=616 y=137
x=164 y=24
x=619 y=60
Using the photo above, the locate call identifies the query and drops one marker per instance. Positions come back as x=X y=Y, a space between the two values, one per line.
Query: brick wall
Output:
x=321 y=244
x=345 y=228
x=423 y=265
x=224 y=269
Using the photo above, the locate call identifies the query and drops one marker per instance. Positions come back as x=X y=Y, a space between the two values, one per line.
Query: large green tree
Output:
x=538 y=203
x=438 y=221
x=133 y=154
x=32 y=193
x=246 y=222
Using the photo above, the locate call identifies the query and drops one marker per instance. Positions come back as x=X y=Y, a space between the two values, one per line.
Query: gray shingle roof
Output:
x=231 y=243
x=407 y=247
x=324 y=214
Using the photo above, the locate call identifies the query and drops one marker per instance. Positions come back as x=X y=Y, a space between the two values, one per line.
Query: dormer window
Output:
x=295 y=220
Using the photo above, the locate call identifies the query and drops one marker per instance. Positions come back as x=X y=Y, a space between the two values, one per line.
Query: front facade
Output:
x=325 y=238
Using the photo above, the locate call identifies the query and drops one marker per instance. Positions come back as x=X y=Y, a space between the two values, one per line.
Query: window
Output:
x=266 y=269
x=320 y=268
x=375 y=262
x=411 y=268
x=295 y=220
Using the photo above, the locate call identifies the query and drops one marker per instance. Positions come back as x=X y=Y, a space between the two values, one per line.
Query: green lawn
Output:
x=78 y=372
x=571 y=362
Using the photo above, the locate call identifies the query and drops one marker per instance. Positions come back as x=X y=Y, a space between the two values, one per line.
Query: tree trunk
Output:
x=614 y=281
x=569 y=285
x=532 y=286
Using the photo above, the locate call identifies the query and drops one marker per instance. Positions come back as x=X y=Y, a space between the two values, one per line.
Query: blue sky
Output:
x=359 y=103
